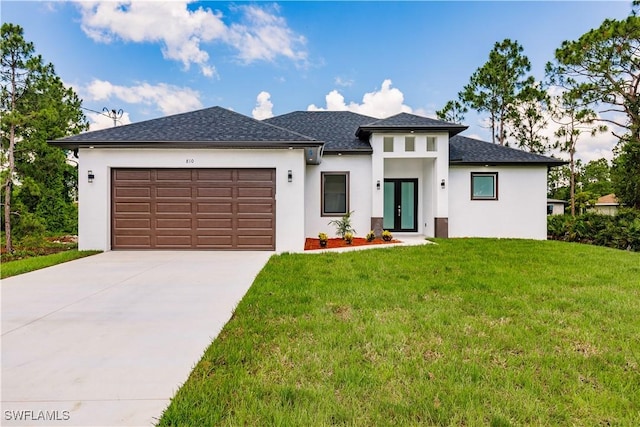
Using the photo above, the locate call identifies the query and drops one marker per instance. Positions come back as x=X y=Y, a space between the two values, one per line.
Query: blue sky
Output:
x=265 y=58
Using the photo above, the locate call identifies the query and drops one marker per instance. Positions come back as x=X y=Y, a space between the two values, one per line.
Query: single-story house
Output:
x=216 y=179
x=556 y=206
x=606 y=205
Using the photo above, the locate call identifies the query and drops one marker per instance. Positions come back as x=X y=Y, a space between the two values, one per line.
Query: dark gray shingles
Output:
x=463 y=150
x=406 y=121
x=336 y=128
x=214 y=124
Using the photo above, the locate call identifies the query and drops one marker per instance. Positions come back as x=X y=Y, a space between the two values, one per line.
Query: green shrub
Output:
x=621 y=231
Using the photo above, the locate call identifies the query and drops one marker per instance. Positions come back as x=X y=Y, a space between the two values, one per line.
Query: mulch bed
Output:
x=311 y=244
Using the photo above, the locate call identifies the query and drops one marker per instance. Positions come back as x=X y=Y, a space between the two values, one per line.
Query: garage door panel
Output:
x=215 y=208
x=174 y=175
x=133 y=242
x=174 y=223
x=133 y=223
x=176 y=192
x=224 y=192
x=133 y=175
x=193 y=209
x=172 y=208
x=216 y=175
x=133 y=192
x=215 y=223
x=132 y=207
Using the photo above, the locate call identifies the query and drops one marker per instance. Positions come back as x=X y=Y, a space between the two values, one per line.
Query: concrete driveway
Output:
x=107 y=340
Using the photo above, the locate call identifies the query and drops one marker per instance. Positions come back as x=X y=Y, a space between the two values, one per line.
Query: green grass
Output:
x=465 y=332
x=13 y=268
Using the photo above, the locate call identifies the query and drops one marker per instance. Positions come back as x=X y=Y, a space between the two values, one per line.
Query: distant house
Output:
x=606 y=205
x=555 y=206
x=216 y=179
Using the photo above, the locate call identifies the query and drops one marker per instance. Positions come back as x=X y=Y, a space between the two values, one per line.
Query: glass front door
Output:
x=400 y=205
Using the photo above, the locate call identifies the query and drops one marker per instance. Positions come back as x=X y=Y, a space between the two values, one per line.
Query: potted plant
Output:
x=348 y=237
x=371 y=236
x=387 y=236
x=323 y=239
x=343 y=225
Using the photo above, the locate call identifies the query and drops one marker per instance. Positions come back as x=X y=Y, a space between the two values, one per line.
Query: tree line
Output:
x=590 y=87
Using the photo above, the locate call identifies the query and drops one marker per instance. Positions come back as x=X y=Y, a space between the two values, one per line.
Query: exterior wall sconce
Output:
x=290 y=176
x=442 y=184
x=378 y=185
x=90 y=176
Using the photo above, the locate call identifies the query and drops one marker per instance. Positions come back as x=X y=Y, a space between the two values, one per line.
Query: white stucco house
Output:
x=216 y=179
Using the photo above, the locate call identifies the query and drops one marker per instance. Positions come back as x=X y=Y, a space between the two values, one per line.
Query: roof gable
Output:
x=336 y=128
x=410 y=122
x=210 y=127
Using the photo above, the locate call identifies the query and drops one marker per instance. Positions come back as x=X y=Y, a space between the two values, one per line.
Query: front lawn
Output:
x=465 y=332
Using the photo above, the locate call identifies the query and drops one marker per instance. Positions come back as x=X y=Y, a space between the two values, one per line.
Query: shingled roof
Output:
x=336 y=128
x=463 y=150
x=214 y=127
x=410 y=122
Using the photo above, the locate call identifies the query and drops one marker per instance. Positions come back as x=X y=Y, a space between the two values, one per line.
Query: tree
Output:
x=574 y=120
x=453 y=112
x=494 y=87
x=602 y=69
x=625 y=173
x=529 y=118
x=35 y=107
x=596 y=177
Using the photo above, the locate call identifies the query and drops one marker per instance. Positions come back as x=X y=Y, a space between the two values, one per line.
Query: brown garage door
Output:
x=193 y=209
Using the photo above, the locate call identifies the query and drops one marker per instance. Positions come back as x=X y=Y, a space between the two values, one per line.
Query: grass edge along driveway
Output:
x=20 y=266
x=466 y=332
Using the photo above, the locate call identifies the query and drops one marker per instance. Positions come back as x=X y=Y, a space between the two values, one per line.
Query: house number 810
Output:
x=189 y=161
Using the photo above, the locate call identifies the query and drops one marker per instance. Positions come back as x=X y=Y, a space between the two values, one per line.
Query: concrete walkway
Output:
x=107 y=340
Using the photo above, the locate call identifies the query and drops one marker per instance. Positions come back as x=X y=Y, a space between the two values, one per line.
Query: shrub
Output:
x=387 y=236
x=371 y=236
x=343 y=225
x=621 y=231
x=348 y=237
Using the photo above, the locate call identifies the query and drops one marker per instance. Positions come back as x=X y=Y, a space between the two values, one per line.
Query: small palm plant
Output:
x=343 y=225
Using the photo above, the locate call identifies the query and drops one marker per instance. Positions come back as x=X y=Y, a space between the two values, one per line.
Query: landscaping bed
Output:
x=311 y=244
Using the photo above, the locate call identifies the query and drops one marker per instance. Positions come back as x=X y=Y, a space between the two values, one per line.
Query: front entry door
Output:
x=400 y=205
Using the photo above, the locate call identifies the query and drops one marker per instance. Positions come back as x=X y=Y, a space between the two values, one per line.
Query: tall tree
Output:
x=574 y=120
x=602 y=69
x=529 y=118
x=35 y=107
x=453 y=112
x=494 y=87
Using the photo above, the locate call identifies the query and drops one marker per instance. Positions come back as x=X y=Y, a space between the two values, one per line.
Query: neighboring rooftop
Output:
x=211 y=127
x=463 y=150
x=608 y=200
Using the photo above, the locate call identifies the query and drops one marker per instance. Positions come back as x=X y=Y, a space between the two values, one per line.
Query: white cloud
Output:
x=339 y=81
x=264 y=106
x=262 y=35
x=381 y=103
x=168 y=99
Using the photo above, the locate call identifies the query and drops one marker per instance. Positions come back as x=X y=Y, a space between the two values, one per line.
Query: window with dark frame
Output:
x=335 y=193
x=484 y=185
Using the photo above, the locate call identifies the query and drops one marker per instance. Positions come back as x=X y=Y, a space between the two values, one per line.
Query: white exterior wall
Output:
x=519 y=212
x=360 y=184
x=95 y=198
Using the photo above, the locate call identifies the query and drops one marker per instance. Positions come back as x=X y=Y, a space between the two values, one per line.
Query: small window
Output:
x=410 y=143
x=388 y=144
x=431 y=143
x=335 y=193
x=549 y=209
x=484 y=186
